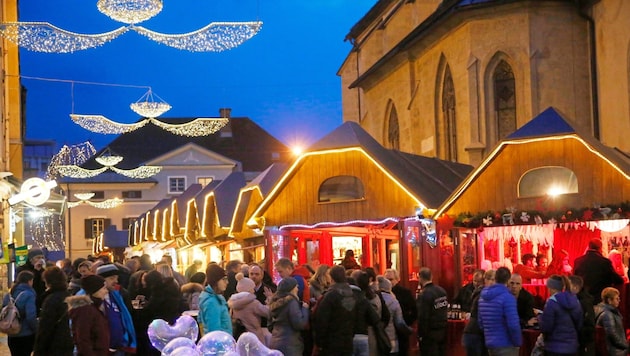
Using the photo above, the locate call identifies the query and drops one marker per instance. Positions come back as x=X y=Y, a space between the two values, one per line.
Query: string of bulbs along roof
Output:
x=148 y=107
x=45 y=37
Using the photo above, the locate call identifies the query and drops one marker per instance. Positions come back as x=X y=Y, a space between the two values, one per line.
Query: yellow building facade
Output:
x=450 y=79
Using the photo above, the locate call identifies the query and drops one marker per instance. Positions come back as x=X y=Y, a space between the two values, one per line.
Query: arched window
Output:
x=341 y=188
x=552 y=180
x=504 y=99
x=393 y=130
x=448 y=115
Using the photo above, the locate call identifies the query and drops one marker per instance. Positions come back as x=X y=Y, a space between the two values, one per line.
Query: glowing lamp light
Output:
x=555 y=191
x=297 y=150
x=34 y=191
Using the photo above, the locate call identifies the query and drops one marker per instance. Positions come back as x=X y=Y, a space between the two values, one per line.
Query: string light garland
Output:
x=130 y=12
x=47 y=38
x=138 y=173
x=74 y=171
x=142 y=172
x=69 y=155
x=106 y=204
x=215 y=37
x=103 y=125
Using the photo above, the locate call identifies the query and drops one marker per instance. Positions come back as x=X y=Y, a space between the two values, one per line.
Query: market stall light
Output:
x=554 y=191
x=297 y=150
x=130 y=12
x=47 y=38
x=340 y=224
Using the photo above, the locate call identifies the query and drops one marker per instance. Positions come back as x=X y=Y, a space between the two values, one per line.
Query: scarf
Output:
x=129 y=335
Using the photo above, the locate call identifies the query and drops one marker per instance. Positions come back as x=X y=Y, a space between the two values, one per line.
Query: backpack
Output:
x=10 y=317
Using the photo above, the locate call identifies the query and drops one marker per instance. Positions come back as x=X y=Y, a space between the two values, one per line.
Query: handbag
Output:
x=10 y=317
x=382 y=340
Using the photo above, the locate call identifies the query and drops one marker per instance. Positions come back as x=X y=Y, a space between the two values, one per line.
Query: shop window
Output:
x=547 y=181
x=341 y=188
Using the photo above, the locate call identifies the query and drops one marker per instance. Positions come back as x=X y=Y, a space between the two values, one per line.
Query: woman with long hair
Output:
x=288 y=318
x=54 y=337
x=609 y=317
x=213 y=309
x=561 y=319
x=320 y=282
x=24 y=296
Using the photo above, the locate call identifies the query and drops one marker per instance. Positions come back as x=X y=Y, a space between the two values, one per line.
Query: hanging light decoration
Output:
x=130 y=12
x=84 y=198
x=108 y=160
x=215 y=37
x=73 y=155
x=45 y=37
x=147 y=107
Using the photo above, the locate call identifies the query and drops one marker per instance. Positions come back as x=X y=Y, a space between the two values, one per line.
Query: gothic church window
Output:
x=504 y=99
x=449 y=117
x=393 y=130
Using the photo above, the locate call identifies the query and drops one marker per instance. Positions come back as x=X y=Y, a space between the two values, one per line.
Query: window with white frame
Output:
x=176 y=184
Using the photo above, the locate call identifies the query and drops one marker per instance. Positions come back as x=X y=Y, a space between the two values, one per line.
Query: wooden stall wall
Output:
x=298 y=202
x=496 y=187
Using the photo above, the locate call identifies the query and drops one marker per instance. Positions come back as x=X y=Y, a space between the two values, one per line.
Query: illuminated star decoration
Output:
x=84 y=198
x=108 y=161
x=147 y=107
x=45 y=37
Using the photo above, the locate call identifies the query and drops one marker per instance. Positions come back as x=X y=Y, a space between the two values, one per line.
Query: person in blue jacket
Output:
x=24 y=296
x=561 y=319
x=213 y=309
x=498 y=317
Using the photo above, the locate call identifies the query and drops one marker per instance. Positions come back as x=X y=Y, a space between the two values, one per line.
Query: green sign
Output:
x=21 y=255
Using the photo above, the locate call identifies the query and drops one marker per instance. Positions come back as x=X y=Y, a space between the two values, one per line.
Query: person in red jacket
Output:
x=90 y=329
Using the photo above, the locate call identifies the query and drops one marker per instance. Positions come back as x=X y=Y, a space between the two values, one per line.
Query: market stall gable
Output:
x=521 y=175
x=250 y=198
x=348 y=175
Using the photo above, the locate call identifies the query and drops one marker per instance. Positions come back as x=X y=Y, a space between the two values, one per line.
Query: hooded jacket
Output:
x=246 y=308
x=334 y=320
x=213 y=312
x=288 y=318
x=191 y=292
x=54 y=338
x=560 y=322
x=90 y=329
x=610 y=319
x=498 y=317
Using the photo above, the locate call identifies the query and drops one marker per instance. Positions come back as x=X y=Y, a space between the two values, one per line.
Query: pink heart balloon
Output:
x=160 y=332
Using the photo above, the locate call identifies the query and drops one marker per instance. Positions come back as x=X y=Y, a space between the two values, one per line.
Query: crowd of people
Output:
x=96 y=307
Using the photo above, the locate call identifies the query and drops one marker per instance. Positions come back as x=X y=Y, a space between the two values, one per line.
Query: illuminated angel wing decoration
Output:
x=215 y=37
x=106 y=204
x=197 y=127
x=138 y=173
x=101 y=124
x=44 y=37
x=73 y=171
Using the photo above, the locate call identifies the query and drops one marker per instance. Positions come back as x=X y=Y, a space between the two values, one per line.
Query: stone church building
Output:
x=451 y=78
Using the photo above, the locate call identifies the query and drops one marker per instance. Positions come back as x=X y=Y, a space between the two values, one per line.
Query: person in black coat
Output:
x=596 y=270
x=524 y=301
x=432 y=315
x=35 y=263
x=407 y=305
x=586 y=335
x=53 y=334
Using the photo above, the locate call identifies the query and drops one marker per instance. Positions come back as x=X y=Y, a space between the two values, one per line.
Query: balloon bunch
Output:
x=179 y=340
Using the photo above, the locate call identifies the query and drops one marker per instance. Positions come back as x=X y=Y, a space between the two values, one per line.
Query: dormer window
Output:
x=552 y=181
x=341 y=189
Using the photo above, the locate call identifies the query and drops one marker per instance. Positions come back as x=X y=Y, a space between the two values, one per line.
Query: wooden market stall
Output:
x=349 y=192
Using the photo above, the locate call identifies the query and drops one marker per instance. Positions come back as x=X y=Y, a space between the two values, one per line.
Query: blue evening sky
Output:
x=284 y=78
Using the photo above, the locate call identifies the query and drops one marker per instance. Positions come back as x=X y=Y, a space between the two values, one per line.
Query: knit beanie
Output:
x=286 y=285
x=245 y=285
x=35 y=252
x=214 y=274
x=107 y=270
x=92 y=284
